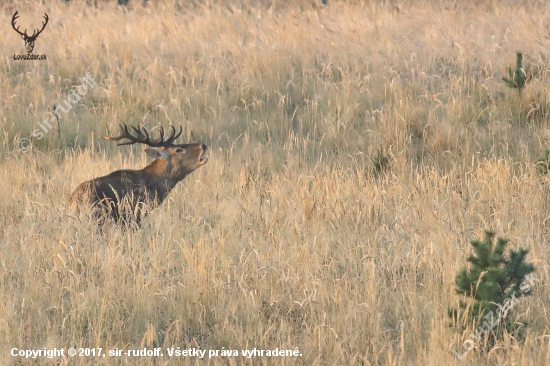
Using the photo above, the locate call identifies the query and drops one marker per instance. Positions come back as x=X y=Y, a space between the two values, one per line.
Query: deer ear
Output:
x=157 y=153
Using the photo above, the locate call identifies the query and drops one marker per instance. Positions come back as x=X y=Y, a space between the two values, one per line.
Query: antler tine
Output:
x=140 y=135
x=125 y=134
x=43 y=25
x=170 y=138
x=113 y=138
x=178 y=134
x=174 y=135
x=143 y=136
x=153 y=143
x=13 y=19
x=146 y=135
x=161 y=137
x=36 y=32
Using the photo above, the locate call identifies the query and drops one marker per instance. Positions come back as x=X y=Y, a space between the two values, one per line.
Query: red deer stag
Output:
x=126 y=195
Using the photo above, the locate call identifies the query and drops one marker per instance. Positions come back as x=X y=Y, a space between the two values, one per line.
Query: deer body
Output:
x=127 y=195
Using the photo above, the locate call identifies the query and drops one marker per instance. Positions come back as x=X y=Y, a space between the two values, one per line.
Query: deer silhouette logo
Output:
x=29 y=40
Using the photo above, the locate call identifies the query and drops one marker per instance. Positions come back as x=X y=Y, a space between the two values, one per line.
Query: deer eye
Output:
x=180 y=150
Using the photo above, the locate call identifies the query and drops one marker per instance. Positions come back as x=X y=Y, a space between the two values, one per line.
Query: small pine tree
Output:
x=543 y=163
x=381 y=163
x=517 y=77
x=491 y=279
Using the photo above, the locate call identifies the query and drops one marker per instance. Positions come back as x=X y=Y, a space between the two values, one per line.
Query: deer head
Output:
x=174 y=161
x=29 y=40
x=124 y=192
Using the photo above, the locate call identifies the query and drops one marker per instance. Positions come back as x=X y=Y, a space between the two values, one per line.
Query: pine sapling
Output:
x=517 y=77
x=381 y=163
x=493 y=281
x=543 y=163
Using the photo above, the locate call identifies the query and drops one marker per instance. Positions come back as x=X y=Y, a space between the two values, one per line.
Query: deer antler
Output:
x=24 y=34
x=143 y=137
x=13 y=19
x=35 y=34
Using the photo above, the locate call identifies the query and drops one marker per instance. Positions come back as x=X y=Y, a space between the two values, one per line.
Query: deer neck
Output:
x=161 y=172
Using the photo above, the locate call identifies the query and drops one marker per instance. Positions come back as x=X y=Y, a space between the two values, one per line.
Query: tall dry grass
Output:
x=287 y=237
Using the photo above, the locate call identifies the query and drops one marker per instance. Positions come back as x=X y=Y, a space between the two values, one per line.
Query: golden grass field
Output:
x=289 y=237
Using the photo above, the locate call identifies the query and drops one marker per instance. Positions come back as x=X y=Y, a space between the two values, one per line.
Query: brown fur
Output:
x=127 y=195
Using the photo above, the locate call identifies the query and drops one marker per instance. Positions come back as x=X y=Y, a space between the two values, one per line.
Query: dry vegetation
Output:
x=289 y=237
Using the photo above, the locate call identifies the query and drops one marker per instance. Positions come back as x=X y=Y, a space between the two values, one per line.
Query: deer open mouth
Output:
x=203 y=159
